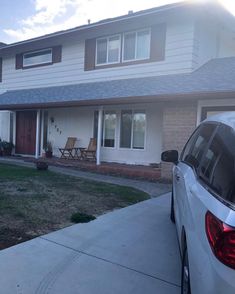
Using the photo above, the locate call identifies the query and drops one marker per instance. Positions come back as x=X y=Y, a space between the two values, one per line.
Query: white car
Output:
x=203 y=206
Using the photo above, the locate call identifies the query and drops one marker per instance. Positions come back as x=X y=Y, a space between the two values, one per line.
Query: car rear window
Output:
x=196 y=146
x=218 y=165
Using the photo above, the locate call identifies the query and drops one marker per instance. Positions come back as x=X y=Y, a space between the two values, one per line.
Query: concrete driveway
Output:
x=132 y=250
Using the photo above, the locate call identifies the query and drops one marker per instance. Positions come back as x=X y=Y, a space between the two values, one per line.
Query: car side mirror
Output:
x=170 y=156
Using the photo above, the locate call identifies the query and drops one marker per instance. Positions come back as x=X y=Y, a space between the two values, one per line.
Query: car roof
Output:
x=227 y=118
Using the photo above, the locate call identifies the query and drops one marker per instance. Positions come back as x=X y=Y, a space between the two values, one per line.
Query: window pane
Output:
x=218 y=167
x=126 y=128
x=114 y=49
x=38 y=57
x=143 y=45
x=129 y=46
x=101 y=51
x=109 y=129
x=139 y=122
x=196 y=145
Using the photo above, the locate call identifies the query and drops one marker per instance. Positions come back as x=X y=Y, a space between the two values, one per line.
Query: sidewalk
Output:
x=153 y=189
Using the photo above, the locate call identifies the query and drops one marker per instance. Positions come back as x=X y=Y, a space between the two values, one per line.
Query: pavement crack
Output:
x=111 y=262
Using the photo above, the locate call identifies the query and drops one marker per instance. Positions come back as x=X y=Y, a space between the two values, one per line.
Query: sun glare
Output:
x=229 y=4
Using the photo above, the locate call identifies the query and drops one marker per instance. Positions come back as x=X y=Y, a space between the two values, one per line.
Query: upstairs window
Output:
x=37 y=57
x=136 y=45
x=108 y=50
x=126 y=48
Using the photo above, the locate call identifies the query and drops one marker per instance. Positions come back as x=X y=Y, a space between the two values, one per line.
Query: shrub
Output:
x=81 y=218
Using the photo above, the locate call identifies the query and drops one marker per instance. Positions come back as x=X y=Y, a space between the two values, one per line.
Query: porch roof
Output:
x=214 y=78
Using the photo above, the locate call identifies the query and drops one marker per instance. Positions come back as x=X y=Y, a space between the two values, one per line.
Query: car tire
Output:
x=185 y=276
x=172 y=209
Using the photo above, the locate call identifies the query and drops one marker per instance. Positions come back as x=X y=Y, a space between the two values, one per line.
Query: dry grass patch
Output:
x=34 y=202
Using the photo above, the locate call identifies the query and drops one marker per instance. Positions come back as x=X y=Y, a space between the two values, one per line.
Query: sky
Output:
x=25 y=19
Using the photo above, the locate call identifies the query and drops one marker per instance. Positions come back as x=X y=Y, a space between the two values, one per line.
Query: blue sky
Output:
x=13 y=11
x=24 y=19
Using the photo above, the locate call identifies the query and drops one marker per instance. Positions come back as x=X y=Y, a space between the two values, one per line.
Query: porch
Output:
x=126 y=133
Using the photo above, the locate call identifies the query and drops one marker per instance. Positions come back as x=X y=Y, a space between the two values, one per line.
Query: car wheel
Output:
x=185 y=277
x=172 y=209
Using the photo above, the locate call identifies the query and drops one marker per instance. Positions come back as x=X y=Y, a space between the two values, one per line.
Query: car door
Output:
x=185 y=172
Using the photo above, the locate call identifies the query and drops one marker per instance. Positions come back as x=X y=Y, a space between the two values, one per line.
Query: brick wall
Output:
x=179 y=121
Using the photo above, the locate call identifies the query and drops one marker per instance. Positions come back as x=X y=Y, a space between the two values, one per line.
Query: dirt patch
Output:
x=10 y=237
x=33 y=202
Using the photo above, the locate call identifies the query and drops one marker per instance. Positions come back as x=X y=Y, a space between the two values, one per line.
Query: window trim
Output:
x=136 y=33
x=39 y=63
x=107 y=39
x=133 y=111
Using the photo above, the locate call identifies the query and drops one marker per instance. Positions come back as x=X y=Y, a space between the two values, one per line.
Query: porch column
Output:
x=37 y=147
x=99 y=134
x=41 y=131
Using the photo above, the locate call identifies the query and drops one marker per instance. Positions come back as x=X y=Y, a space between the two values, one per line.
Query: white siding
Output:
x=206 y=42
x=78 y=122
x=212 y=41
x=178 y=59
x=226 y=44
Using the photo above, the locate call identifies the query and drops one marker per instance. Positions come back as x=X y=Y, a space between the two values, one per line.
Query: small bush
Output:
x=81 y=218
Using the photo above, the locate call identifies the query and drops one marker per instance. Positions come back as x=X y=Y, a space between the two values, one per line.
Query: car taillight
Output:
x=222 y=239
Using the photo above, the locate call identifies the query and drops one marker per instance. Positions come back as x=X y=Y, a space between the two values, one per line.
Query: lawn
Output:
x=34 y=202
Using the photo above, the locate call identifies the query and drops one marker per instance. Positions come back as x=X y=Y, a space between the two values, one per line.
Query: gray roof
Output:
x=2 y=44
x=216 y=76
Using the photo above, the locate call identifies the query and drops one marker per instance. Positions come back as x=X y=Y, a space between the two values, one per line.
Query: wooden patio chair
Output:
x=69 y=151
x=90 y=151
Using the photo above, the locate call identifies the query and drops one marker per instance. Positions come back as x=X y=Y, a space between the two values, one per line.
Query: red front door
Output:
x=26 y=132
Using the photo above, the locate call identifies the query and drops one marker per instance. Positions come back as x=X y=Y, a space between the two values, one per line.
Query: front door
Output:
x=26 y=132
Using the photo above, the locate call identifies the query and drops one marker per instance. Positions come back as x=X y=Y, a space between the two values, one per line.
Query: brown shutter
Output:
x=158 y=42
x=19 y=61
x=56 y=54
x=90 y=47
x=0 y=69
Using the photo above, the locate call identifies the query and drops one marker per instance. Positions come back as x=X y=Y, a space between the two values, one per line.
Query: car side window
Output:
x=218 y=165
x=195 y=148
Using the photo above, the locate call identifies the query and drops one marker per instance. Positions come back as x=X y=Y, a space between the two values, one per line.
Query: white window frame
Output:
x=39 y=63
x=123 y=44
x=133 y=111
x=115 y=131
x=107 y=54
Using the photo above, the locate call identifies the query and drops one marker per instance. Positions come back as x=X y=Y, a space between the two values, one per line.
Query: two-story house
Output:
x=139 y=83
